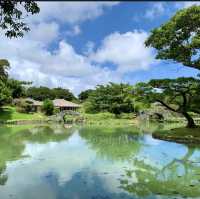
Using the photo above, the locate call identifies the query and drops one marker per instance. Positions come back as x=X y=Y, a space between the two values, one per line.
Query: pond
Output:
x=85 y=162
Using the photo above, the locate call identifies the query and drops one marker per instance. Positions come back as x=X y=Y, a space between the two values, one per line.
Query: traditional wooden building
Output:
x=62 y=104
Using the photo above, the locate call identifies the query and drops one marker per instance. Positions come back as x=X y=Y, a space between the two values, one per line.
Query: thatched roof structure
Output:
x=65 y=103
x=32 y=101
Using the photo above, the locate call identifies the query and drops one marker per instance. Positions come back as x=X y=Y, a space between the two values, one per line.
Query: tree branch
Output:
x=165 y=105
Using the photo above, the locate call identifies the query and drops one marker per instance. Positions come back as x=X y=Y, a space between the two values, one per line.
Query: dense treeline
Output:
x=42 y=93
x=113 y=98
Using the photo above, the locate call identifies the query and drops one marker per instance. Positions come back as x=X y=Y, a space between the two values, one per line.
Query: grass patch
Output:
x=107 y=119
x=180 y=135
x=8 y=113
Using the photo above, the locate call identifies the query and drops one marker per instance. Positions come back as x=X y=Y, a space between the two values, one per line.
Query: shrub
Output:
x=24 y=106
x=48 y=107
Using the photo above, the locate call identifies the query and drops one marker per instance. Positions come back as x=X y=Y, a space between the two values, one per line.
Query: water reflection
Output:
x=94 y=163
x=112 y=143
x=179 y=177
x=12 y=142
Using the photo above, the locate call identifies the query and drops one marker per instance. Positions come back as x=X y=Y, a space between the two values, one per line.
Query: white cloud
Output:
x=71 y=12
x=188 y=3
x=156 y=10
x=32 y=61
x=44 y=32
x=74 y=31
x=126 y=51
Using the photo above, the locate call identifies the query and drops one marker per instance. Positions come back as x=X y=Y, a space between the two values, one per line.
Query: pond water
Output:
x=54 y=162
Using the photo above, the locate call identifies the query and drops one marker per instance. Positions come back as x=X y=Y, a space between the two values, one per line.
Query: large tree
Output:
x=42 y=93
x=114 y=98
x=179 y=95
x=61 y=93
x=179 y=39
x=12 y=16
x=17 y=87
x=39 y=93
x=5 y=93
x=85 y=94
x=4 y=66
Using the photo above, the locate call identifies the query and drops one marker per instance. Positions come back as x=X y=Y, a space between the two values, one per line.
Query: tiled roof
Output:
x=64 y=103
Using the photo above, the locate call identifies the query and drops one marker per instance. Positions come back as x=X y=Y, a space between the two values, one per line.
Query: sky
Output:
x=78 y=45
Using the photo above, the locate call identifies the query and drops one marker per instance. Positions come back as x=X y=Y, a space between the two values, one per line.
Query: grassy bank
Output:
x=180 y=135
x=102 y=119
x=9 y=113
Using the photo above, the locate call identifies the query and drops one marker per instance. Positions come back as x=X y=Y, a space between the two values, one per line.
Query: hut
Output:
x=62 y=104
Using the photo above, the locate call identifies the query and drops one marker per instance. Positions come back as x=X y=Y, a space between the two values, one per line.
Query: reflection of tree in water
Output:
x=12 y=142
x=180 y=177
x=3 y=177
x=112 y=143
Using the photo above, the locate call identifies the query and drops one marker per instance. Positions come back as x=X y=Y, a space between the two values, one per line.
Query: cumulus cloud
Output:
x=188 y=4
x=156 y=10
x=74 y=31
x=71 y=12
x=127 y=51
x=44 y=32
x=33 y=59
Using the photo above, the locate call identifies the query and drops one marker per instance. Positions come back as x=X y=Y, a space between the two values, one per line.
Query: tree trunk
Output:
x=190 y=121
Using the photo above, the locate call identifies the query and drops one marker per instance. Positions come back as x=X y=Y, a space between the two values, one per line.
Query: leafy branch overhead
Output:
x=179 y=38
x=12 y=19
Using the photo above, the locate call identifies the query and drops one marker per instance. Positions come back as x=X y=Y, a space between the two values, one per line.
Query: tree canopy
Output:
x=5 y=93
x=179 y=95
x=179 y=38
x=12 y=15
x=4 y=66
x=42 y=93
x=48 y=107
x=85 y=94
x=114 y=98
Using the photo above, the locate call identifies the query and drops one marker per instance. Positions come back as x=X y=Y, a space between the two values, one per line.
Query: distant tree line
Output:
x=41 y=93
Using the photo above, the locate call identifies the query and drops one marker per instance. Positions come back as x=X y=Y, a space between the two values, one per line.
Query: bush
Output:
x=24 y=106
x=48 y=107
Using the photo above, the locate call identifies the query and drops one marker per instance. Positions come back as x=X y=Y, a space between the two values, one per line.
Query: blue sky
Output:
x=78 y=45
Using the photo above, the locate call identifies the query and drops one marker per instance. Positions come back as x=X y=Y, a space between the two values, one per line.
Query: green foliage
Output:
x=61 y=93
x=4 y=66
x=179 y=95
x=42 y=93
x=85 y=94
x=25 y=106
x=114 y=98
x=16 y=87
x=179 y=38
x=8 y=113
x=108 y=119
x=48 y=107
x=5 y=94
x=12 y=19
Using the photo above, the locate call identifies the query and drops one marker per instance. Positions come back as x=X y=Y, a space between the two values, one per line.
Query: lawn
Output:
x=10 y=113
